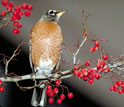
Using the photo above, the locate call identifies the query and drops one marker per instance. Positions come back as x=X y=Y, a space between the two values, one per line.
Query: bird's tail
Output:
x=39 y=97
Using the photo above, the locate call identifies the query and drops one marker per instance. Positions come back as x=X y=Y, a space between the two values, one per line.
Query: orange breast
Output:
x=46 y=40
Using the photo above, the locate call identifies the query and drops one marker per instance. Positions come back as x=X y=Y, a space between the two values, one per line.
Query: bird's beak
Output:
x=61 y=13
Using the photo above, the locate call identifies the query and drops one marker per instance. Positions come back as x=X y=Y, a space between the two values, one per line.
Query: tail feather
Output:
x=43 y=100
x=39 y=97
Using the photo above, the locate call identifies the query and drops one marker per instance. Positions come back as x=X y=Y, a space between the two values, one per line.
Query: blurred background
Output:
x=106 y=22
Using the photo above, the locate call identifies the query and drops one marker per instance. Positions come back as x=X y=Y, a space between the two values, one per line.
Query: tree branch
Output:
x=63 y=75
x=15 y=53
x=57 y=75
x=77 y=51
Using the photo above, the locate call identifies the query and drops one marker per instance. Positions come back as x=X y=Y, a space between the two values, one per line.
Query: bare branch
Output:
x=4 y=25
x=15 y=53
x=63 y=75
x=77 y=51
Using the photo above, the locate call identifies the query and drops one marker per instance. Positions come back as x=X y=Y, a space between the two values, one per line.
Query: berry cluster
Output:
x=118 y=86
x=86 y=74
x=89 y=74
x=95 y=47
x=53 y=90
x=101 y=66
x=1 y=87
x=16 y=12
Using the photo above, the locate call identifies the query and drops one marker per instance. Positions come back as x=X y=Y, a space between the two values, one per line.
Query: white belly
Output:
x=46 y=67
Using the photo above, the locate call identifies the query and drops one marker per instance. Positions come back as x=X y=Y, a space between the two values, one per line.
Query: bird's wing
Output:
x=58 y=64
x=30 y=59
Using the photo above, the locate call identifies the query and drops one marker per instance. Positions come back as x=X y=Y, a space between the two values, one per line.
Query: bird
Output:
x=45 y=44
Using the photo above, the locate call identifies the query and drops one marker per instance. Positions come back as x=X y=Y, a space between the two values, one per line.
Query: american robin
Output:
x=45 y=45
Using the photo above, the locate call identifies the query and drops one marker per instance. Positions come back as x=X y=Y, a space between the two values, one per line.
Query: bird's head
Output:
x=52 y=15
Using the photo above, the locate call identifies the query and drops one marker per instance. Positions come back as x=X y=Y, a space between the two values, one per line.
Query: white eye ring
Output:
x=51 y=12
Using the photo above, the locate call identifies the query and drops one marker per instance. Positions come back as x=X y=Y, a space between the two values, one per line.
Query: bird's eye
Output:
x=51 y=12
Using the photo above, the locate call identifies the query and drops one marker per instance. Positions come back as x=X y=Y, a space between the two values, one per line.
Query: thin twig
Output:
x=4 y=25
x=77 y=51
x=15 y=53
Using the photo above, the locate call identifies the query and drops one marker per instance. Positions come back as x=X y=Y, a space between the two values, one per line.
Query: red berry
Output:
x=105 y=57
x=111 y=88
x=18 y=8
x=87 y=63
x=102 y=63
x=2 y=88
x=9 y=9
x=123 y=90
x=107 y=69
x=120 y=91
x=97 y=76
x=20 y=13
x=96 y=43
x=27 y=13
x=59 y=101
x=62 y=96
x=56 y=90
x=15 y=13
x=119 y=82
x=76 y=72
x=96 y=47
x=51 y=94
x=16 y=31
x=115 y=89
x=98 y=65
x=85 y=73
x=83 y=70
x=24 y=6
x=4 y=2
x=90 y=76
x=98 y=60
x=122 y=86
x=89 y=70
x=15 y=23
x=76 y=67
x=84 y=33
x=3 y=13
x=50 y=100
x=79 y=75
x=30 y=7
x=70 y=95
x=84 y=78
x=115 y=85
x=94 y=71
x=101 y=69
x=92 y=49
x=90 y=81
x=19 y=25
x=48 y=91
x=18 y=17
x=13 y=18
x=11 y=4
x=1 y=82
x=49 y=87
x=57 y=82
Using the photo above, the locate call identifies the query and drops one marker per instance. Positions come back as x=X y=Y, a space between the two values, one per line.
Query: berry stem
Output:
x=65 y=88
